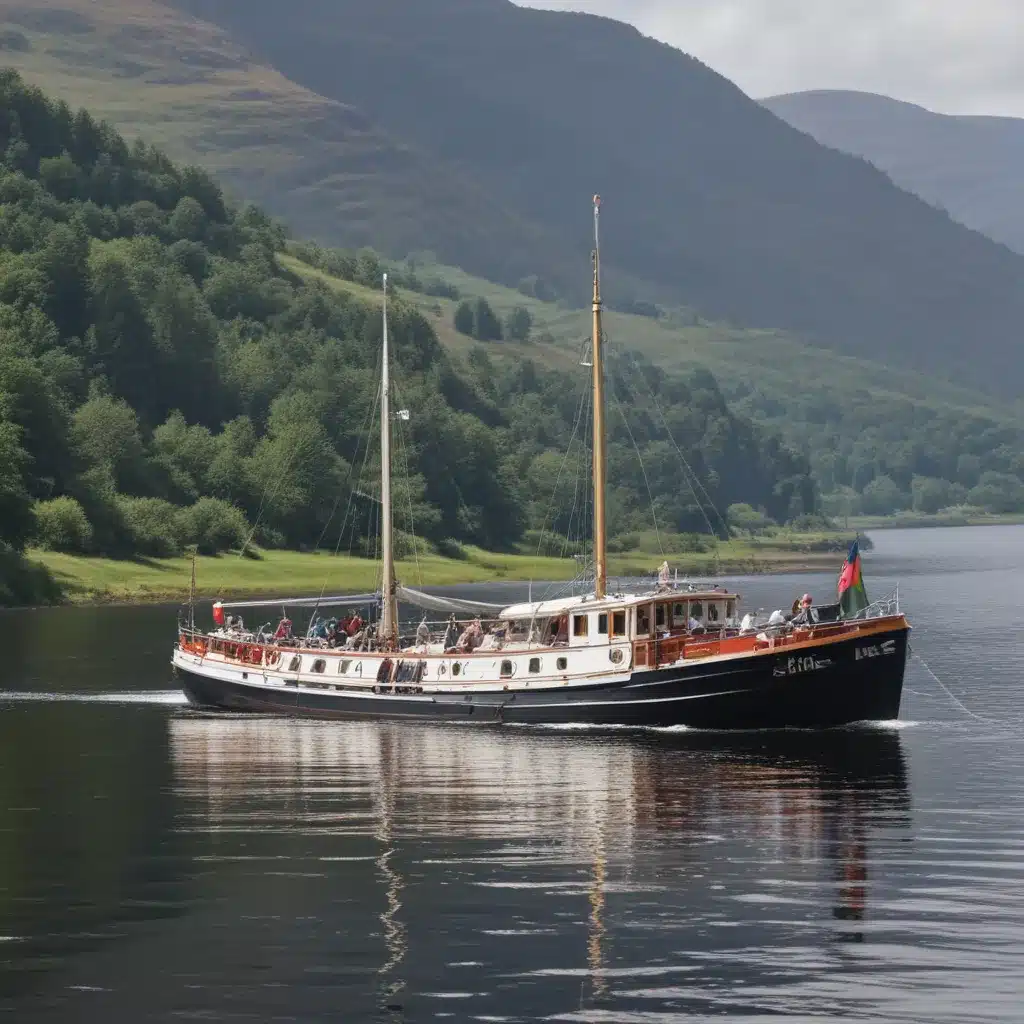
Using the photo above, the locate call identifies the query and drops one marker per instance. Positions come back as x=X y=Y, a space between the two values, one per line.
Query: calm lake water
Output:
x=162 y=865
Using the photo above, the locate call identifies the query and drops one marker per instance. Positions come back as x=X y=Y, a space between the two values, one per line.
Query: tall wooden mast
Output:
x=600 y=556
x=389 y=610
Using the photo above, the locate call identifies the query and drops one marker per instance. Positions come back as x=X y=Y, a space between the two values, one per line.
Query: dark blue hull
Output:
x=851 y=680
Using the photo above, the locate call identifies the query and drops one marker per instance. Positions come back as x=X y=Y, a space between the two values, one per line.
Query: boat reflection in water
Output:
x=525 y=871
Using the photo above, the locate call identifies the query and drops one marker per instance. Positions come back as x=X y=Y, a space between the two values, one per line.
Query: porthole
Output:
x=456 y=668
x=319 y=665
x=343 y=666
x=562 y=664
x=616 y=656
x=507 y=668
x=535 y=664
x=295 y=664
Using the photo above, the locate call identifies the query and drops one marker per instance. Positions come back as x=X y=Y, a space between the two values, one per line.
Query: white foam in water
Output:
x=170 y=697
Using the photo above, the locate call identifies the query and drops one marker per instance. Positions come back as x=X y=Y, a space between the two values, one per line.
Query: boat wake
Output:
x=168 y=697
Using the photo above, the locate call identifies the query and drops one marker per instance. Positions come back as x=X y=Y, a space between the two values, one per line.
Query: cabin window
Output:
x=456 y=669
x=643 y=621
x=295 y=664
x=562 y=664
x=343 y=666
x=602 y=624
x=713 y=612
x=730 y=609
x=506 y=669
x=679 y=612
x=697 y=610
x=535 y=664
x=579 y=625
x=319 y=665
x=659 y=615
x=618 y=623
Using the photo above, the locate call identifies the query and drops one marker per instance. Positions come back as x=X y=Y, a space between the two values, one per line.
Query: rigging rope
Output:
x=404 y=450
x=692 y=479
x=953 y=697
x=558 y=476
x=643 y=469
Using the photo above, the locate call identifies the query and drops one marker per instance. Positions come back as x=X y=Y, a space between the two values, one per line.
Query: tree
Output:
x=15 y=504
x=742 y=516
x=105 y=433
x=188 y=222
x=488 y=326
x=465 y=319
x=882 y=497
x=518 y=324
x=930 y=495
x=997 y=493
x=62 y=525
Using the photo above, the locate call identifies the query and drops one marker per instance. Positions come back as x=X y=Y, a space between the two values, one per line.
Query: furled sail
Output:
x=434 y=603
x=331 y=601
x=429 y=602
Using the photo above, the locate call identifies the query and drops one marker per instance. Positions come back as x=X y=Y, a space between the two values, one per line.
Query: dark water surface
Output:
x=161 y=865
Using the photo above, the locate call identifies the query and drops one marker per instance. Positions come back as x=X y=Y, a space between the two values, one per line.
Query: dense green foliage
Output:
x=875 y=456
x=164 y=382
x=712 y=201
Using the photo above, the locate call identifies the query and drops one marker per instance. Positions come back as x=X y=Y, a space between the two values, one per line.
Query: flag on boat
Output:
x=853 y=597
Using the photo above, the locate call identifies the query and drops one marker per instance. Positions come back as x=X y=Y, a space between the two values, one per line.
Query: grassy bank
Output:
x=916 y=520
x=289 y=572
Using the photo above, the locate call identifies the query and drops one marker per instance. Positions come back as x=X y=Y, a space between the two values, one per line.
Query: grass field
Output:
x=293 y=573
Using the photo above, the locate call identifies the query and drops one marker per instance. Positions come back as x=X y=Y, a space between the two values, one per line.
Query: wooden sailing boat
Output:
x=666 y=656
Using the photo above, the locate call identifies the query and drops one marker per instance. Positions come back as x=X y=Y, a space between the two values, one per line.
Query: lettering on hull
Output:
x=875 y=650
x=796 y=666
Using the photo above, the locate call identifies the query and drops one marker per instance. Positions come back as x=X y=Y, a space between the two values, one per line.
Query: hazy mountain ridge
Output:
x=972 y=166
x=478 y=130
x=710 y=198
x=185 y=84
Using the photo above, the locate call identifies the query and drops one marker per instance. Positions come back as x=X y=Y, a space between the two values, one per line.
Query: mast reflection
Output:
x=611 y=804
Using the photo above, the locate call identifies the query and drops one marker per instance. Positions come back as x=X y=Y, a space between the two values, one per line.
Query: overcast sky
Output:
x=955 y=56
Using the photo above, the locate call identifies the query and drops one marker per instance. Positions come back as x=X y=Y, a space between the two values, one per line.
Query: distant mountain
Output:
x=479 y=129
x=710 y=198
x=973 y=167
x=323 y=165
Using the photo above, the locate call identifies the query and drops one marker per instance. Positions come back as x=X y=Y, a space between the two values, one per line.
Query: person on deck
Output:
x=472 y=636
x=808 y=614
x=355 y=623
x=284 y=629
x=423 y=633
x=559 y=629
x=664 y=576
x=451 y=632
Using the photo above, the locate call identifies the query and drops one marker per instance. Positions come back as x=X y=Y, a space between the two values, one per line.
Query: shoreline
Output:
x=103 y=581
x=928 y=522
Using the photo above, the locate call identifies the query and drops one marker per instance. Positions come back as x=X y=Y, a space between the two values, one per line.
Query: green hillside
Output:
x=712 y=201
x=168 y=379
x=472 y=129
x=187 y=86
x=879 y=440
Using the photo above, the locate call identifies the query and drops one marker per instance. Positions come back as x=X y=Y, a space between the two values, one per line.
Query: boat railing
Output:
x=886 y=606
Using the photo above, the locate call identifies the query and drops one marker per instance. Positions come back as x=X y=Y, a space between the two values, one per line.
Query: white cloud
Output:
x=956 y=56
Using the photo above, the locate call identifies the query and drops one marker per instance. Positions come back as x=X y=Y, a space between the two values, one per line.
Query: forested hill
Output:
x=710 y=198
x=163 y=381
x=971 y=166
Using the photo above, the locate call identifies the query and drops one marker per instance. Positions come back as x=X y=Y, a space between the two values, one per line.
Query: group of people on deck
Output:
x=344 y=632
